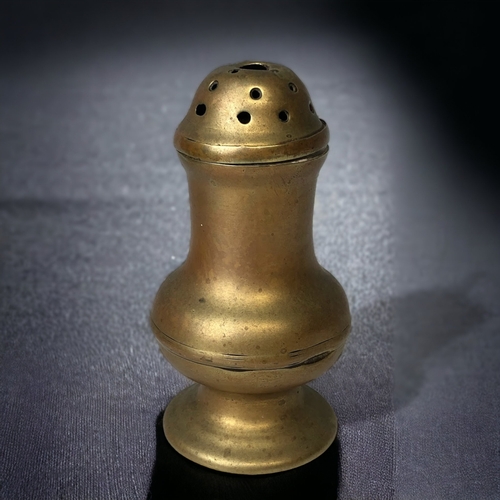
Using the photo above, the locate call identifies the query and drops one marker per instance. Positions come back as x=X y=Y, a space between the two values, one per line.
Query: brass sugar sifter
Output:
x=251 y=316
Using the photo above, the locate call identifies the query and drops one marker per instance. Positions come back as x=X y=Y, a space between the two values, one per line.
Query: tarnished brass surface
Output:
x=250 y=315
x=283 y=123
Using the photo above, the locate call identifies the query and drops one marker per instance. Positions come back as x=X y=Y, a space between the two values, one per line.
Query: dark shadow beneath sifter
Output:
x=175 y=477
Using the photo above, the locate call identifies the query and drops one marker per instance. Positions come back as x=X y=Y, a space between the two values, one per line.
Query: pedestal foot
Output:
x=249 y=433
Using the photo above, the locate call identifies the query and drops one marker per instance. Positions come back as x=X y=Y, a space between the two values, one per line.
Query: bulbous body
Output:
x=251 y=316
x=251 y=310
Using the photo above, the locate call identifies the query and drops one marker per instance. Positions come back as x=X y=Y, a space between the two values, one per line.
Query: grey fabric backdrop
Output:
x=94 y=214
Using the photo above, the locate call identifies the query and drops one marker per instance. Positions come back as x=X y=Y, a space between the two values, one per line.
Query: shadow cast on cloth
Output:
x=427 y=322
x=378 y=376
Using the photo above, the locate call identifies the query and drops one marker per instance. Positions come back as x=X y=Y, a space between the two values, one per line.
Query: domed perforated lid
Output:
x=251 y=112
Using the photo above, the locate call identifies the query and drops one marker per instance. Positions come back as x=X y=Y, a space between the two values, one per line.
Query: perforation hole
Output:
x=201 y=109
x=284 y=116
x=244 y=117
x=255 y=66
x=256 y=93
x=292 y=87
x=311 y=107
x=213 y=85
x=233 y=71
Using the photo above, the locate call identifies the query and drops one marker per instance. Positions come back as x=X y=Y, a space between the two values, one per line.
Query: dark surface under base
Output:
x=176 y=478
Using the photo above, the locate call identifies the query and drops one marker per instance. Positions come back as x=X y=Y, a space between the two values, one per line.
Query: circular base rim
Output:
x=247 y=433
